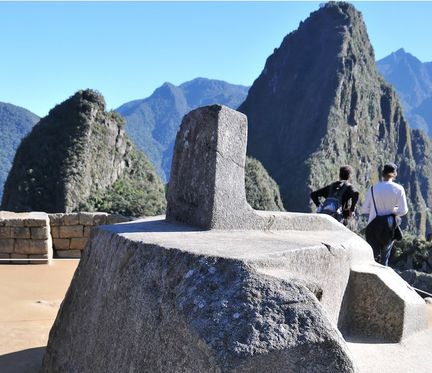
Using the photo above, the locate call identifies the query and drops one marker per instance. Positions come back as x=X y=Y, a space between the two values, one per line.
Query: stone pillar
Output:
x=207 y=187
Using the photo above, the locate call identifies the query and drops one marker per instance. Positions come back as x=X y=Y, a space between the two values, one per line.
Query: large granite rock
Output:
x=263 y=291
x=154 y=296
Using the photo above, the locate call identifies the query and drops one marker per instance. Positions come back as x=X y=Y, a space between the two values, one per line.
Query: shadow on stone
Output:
x=24 y=361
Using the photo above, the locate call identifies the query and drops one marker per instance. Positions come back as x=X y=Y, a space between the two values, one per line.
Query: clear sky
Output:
x=125 y=50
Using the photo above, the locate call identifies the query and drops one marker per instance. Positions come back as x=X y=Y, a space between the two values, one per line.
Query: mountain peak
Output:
x=320 y=103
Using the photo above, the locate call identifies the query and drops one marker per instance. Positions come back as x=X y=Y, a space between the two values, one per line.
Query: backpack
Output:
x=333 y=203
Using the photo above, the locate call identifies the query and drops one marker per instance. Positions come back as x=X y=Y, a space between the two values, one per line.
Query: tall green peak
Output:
x=79 y=157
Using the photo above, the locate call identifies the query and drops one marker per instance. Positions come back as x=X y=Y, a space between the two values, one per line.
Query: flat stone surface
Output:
x=411 y=355
x=238 y=244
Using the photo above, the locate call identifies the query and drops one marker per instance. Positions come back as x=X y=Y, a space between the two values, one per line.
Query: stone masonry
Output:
x=71 y=231
x=25 y=238
x=37 y=237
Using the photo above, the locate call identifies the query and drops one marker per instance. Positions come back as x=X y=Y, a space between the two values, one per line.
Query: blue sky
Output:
x=128 y=49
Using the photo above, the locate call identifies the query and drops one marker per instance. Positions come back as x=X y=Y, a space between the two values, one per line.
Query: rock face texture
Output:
x=78 y=157
x=320 y=103
x=15 y=123
x=168 y=310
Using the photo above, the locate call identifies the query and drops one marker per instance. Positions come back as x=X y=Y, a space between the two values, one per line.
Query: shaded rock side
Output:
x=320 y=103
x=141 y=307
x=76 y=154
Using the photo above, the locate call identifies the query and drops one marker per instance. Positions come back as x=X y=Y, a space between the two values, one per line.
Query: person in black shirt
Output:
x=340 y=197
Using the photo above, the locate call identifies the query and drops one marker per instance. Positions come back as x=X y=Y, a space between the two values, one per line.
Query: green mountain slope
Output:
x=78 y=157
x=15 y=123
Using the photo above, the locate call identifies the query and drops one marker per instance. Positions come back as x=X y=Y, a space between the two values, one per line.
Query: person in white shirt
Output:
x=390 y=199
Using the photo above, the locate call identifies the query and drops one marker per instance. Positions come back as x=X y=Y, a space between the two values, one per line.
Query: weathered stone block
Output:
x=99 y=218
x=72 y=254
x=71 y=219
x=78 y=243
x=55 y=231
x=14 y=222
x=36 y=219
x=116 y=218
x=379 y=306
x=40 y=233
x=86 y=218
x=23 y=246
x=56 y=219
x=71 y=231
x=87 y=231
x=7 y=245
x=39 y=259
x=5 y=232
x=19 y=258
x=61 y=243
x=20 y=232
x=207 y=184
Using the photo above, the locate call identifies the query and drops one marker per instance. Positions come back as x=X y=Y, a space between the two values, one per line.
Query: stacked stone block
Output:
x=71 y=231
x=25 y=237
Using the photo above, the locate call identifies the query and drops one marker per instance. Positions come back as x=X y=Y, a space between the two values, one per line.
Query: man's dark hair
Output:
x=345 y=172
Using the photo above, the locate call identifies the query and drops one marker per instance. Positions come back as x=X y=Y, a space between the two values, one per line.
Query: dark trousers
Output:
x=382 y=253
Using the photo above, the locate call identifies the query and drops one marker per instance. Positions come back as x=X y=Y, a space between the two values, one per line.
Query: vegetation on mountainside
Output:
x=412 y=253
x=78 y=152
x=139 y=193
x=262 y=192
x=15 y=123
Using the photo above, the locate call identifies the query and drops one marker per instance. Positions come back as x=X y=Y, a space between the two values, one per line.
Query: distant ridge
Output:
x=152 y=123
x=15 y=123
x=412 y=80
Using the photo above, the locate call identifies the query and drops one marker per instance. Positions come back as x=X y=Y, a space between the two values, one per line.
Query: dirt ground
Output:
x=30 y=297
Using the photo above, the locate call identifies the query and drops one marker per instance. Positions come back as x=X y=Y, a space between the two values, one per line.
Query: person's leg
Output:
x=385 y=253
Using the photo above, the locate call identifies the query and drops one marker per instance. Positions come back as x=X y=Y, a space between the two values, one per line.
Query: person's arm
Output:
x=366 y=207
x=402 y=207
x=323 y=192
x=349 y=201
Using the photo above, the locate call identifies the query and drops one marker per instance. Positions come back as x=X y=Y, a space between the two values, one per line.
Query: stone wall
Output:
x=25 y=237
x=71 y=231
x=37 y=237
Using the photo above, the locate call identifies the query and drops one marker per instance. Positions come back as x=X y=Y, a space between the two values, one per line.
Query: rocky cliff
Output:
x=320 y=103
x=15 y=123
x=152 y=123
x=79 y=157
